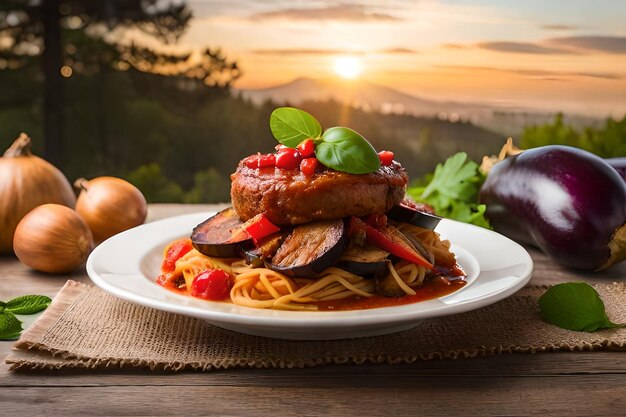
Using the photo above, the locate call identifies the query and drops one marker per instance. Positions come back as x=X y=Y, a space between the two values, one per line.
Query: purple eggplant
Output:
x=310 y=249
x=568 y=202
x=619 y=164
x=221 y=235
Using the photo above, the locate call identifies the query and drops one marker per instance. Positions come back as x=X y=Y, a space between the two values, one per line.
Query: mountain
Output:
x=361 y=94
x=370 y=97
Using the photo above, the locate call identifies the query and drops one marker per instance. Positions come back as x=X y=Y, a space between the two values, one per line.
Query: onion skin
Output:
x=53 y=238
x=568 y=202
x=27 y=181
x=110 y=205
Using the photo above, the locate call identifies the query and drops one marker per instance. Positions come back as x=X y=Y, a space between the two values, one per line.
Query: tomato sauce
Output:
x=430 y=290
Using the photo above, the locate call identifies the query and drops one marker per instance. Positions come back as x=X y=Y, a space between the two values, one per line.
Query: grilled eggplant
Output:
x=367 y=261
x=221 y=236
x=406 y=214
x=310 y=249
x=264 y=251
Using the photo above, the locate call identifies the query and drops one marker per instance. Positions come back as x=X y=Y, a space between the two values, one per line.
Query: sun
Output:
x=348 y=67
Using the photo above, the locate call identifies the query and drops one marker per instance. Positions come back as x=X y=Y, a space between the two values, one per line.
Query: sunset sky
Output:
x=556 y=55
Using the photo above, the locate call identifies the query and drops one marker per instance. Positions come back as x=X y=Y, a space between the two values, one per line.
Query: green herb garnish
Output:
x=11 y=326
x=575 y=306
x=291 y=126
x=338 y=148
x=453 y=191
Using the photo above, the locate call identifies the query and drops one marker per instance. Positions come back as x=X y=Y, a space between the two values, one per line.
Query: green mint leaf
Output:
x=291 y=126
x=345 y=150
x=10 y=326
x=28 y=304
x=574 y=306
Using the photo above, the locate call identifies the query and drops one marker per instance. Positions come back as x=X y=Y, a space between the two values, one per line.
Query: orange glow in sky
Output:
x=557 y=55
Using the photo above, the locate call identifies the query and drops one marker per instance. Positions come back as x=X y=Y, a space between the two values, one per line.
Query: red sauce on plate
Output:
x=431 y=289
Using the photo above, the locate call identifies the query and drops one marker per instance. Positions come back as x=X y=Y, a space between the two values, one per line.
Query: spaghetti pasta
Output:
x=266 y=288
x=260 y=287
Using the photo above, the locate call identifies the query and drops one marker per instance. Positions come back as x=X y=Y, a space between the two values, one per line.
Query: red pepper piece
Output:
x=306 y=148
x=268 y=160
x=260 y=161
x=259 y=227
x=386 y=157
x=308 y=166
x=212 y=284
x=383 y=239
x=176 y=250
x=252 y=161
x=288 y=159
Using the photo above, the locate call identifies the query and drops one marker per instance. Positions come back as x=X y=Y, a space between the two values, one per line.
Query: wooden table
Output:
x=580 y=383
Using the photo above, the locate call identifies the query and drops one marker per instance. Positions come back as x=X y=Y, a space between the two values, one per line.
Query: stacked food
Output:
x=322 y=223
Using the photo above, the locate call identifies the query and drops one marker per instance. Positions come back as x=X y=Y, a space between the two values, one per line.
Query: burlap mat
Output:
x=86 y=328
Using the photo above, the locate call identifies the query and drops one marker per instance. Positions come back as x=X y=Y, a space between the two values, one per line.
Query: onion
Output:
x=110 y=205
x=52 y=238
x=27 y=181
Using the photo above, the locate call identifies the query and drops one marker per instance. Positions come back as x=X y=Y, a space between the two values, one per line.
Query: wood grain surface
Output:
x=573 y=384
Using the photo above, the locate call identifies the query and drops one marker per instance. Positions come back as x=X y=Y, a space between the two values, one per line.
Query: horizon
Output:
x=499 y=54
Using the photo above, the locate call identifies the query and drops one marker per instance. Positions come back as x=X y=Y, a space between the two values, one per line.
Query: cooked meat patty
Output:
x=289 y=197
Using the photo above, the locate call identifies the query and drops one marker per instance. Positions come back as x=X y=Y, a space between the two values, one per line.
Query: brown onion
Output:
x=52 y=238
x=27 y=181
x=110 y=205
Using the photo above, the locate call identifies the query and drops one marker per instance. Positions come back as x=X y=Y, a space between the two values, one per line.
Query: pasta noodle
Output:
x=266 y=288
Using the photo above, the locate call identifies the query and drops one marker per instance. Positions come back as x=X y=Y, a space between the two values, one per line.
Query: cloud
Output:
x=522 y=48
x=538 y=73
x=296 y=51
x=398 y=51
x=302 y=51
x=454 y=46
x=559 y=27
x=338 y=12
x=609 y=44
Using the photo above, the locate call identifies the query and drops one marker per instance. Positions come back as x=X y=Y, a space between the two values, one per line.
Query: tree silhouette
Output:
x=83 y=36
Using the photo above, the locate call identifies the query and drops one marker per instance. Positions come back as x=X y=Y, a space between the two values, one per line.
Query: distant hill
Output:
x=371 y=97
x=366 y=96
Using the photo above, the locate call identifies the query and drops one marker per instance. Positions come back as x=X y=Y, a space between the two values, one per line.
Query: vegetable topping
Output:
x=212 y=284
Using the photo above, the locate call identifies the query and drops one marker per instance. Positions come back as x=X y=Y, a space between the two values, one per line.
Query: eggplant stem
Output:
x=617 y=246
x=20 y=147
x=507 y=150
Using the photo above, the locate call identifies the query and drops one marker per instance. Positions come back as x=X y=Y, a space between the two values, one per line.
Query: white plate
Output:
x=127 y=265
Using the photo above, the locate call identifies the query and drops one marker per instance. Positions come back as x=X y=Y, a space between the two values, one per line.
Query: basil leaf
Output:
x=10 y=326
x=291 y=126
x=574 y=306
x=345 y=150
x=28 y=304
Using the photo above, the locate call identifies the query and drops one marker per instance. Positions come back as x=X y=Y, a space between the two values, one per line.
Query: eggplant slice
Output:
x=310 y=249
x=367 y=261
x=417 y=218
x=265 y=250
x=221 y=236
